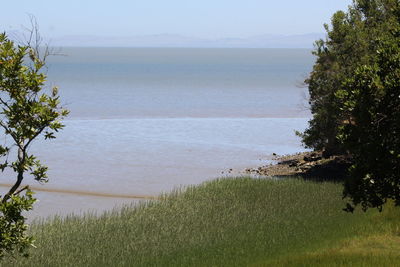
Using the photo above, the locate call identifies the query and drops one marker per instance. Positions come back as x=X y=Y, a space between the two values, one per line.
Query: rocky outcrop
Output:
x=310 y=165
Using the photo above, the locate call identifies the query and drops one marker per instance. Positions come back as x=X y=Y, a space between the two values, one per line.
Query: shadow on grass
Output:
x=333 y=170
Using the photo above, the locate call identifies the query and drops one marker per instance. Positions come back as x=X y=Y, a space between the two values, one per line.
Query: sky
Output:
x=195 y=18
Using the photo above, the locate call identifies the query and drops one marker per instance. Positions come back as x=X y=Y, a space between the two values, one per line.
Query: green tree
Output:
x=337 y=57
x=354 y=96
x=26 y=112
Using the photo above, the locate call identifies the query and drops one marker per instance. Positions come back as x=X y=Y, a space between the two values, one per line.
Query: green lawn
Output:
x=227 y=222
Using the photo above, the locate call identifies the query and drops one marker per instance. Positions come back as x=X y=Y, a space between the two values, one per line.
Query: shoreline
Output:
x=83 y=193
x=309 y=165
x=299 y=164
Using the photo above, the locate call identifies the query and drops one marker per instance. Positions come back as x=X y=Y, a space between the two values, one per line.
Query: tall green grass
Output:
x=227 y=222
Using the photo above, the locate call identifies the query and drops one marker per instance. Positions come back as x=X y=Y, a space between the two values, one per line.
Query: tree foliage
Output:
x=355 y=99
x=13 y=228
x=26 y=112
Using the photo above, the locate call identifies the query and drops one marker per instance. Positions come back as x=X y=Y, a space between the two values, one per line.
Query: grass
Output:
x=227 y=222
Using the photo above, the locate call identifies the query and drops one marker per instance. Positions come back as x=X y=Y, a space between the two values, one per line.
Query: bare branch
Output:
x=8 y=131
x=22 y=189
x=4 y=103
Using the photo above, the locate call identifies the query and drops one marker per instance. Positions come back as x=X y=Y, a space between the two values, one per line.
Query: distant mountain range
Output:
x=174 y=40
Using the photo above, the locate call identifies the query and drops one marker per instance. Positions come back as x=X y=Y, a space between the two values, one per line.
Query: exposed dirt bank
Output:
x=311 y=165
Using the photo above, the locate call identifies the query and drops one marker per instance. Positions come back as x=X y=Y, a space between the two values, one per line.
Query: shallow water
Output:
x=144 y=121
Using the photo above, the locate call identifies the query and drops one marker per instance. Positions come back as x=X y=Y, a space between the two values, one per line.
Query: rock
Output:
x=291 y=163
x=312 y=157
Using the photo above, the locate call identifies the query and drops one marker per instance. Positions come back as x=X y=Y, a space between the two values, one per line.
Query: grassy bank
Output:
x=229 y=222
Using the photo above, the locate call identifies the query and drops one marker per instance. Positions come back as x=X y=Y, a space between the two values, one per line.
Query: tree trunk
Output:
x=20 y=176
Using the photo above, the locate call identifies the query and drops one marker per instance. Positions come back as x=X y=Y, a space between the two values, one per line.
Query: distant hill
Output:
x=174 y=40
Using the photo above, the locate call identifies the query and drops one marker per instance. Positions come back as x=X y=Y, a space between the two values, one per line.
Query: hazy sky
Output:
x=200 y=18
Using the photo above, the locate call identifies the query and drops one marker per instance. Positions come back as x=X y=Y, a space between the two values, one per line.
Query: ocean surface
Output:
x=147 y=120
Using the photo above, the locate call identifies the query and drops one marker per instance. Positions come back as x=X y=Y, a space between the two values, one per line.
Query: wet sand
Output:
x=82 y=193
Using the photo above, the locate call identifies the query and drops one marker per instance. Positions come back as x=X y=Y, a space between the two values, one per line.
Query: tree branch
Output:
x=14 y=188
x=34 y=136
x=22 y=189
x=11 y=133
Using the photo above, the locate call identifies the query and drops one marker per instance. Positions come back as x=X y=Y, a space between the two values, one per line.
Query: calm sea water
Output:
x=144 y=121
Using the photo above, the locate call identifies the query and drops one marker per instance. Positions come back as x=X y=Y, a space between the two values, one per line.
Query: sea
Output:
x=144 y=121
